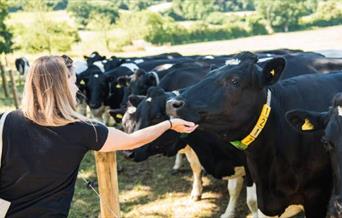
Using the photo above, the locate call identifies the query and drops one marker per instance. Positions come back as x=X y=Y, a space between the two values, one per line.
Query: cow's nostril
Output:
x=177 y=104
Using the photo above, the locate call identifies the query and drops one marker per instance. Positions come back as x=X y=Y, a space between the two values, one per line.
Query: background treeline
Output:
x=123 y=22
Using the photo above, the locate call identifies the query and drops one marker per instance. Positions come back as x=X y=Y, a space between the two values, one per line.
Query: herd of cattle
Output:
x=271 y=118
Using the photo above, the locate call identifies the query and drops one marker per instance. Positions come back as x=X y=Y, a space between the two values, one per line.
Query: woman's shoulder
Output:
x=15 y=113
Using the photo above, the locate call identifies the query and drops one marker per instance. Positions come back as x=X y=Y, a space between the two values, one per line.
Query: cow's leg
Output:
x=291 y=211
x=252 y=200
x=106 y=117
x=196 y=167
x=98 y=113
x=178 y=161
x=234 y=188
x=82 y=107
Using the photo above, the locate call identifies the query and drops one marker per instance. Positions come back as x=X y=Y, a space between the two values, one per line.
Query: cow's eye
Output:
x=235 y=81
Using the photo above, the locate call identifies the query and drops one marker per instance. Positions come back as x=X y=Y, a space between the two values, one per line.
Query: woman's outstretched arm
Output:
x=118 y=140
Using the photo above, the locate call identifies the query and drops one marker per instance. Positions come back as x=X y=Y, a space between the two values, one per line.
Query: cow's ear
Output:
x=306 y=121
x=123 y=80
x=85 y=57
x=272 y=71
x=134 y=100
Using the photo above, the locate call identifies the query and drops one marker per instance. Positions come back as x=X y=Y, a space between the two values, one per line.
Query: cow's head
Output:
x=331 y=122
x=230 y=98
x=95 y=85
x=93 y=57
x=148 y=111
x=141 y=81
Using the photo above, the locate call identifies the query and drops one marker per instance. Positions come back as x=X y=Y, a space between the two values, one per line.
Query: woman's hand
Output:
x=182 y=126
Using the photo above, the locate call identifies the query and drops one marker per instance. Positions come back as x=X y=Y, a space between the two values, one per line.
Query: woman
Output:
x=45 y=141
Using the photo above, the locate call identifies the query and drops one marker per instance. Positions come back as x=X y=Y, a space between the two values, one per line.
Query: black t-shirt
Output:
x=40 y=164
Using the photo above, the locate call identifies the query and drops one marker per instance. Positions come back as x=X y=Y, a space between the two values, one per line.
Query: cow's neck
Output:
x=258 y=126
x=268 y=167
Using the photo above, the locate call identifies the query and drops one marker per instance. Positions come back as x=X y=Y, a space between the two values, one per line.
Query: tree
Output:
x=282 y=15
x=194 y=10
x=45 y=34
x=83 y=11
x=5 y=36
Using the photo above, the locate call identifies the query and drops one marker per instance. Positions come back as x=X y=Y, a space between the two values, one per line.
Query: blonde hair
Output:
x=47 y=98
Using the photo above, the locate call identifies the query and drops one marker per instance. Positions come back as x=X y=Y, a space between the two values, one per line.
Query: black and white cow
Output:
x=22 y=65
x=216 y=157
x=246 y=106
x=331 y=123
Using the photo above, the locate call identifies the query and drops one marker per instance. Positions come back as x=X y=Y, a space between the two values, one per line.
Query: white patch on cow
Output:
x=131 y=66
x=139 y=61
x=238 y=172
x=100 y=65
x=264 y=59
x=251 y=199
x=196 y=168
x=163 y=67
x=169 y=57
x=131 y=109
x=149 y=99
x=96 y=75
x=176 y=92
x=339 y=109
x=26 y=65
x=292 y=210
x=232 y=61
x=155 y=76
x=234 y=188
x=79 y=66
x=104 y=61
x=209 y=57
x=92 y=55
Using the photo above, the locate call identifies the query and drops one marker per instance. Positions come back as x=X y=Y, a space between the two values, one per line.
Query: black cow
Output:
x=331 y=123
x=288 y=168
x=22 y=65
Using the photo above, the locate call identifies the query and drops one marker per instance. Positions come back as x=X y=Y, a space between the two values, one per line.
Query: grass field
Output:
x=149 y=189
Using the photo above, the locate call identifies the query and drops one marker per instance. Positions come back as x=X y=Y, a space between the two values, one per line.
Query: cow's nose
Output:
x=177 y=104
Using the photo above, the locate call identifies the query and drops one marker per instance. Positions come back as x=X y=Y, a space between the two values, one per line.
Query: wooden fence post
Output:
x=4 y=80
x=108 y=184
x=14 y=90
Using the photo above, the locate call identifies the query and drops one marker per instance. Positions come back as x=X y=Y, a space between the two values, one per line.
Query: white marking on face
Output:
x=100 y=65
x=232 y=62
x=339 y=109
x=149 y=99
x=96 y=75
x=176 y=92
x=92 y=55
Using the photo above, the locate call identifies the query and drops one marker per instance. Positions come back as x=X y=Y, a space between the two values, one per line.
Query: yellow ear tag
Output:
x=307 y=125
x=272 y=72
x=82 y=82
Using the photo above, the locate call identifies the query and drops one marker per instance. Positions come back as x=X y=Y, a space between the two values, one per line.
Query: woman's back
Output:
x=40 y=164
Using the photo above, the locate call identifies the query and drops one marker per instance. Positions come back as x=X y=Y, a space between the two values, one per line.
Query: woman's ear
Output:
x=272 y=71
